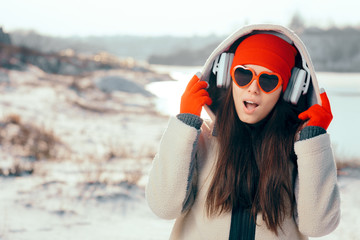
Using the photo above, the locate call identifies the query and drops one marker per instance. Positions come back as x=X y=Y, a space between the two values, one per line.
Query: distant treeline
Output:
x=137 y=47
x=334 y=49
x=65 y=62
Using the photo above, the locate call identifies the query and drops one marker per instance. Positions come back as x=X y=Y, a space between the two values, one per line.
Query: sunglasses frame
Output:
x=256 y=77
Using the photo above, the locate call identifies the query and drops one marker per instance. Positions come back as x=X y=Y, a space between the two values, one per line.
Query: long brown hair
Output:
x=253 y=169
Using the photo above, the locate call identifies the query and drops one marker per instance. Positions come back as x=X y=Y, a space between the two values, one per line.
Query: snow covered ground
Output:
x=94 y=187
x=350 y=209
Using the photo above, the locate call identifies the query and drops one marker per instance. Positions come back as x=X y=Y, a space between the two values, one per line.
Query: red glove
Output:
x=320 y=116
x=194 y=97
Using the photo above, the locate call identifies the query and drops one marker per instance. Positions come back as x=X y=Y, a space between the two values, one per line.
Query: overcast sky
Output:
x=159 y=17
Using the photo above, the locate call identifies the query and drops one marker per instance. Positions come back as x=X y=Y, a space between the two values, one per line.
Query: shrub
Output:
x=30 y=140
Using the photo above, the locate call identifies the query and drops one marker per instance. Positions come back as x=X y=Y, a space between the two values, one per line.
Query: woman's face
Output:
x=253 y=105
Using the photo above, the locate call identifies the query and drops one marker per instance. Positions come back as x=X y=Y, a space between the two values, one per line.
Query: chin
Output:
x=249 y=119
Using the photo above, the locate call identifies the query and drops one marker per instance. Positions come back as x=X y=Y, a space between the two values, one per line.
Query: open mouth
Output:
x=250 y=105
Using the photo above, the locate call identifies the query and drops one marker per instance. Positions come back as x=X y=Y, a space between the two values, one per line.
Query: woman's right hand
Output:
x=195 y=97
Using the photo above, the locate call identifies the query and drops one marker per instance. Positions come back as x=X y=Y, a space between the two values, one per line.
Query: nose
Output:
x=254 y=87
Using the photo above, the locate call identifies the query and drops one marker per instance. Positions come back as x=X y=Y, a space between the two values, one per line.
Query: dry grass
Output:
x=17 y=169
x=128 y=162
x=133 y=177
x=122 y=151
x=36 y=142
x=94 y=174
x=26 y=141
x=128 y=151
x=343 y=160
x=347 y=163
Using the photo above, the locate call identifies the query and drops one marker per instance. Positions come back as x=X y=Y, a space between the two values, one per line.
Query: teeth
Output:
x=250 y=102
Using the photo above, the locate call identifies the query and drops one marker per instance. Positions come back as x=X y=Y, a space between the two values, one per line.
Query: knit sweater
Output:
x=183 y=169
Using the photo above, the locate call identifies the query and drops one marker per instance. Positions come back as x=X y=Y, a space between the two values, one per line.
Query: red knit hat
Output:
x=269 y=51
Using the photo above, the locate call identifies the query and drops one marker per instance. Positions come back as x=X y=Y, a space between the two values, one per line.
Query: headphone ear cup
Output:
x=295 y=86
x=221 y=68
x=290 y=86
x=228 y=75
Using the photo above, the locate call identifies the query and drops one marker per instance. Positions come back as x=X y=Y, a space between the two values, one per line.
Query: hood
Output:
x=230 y=44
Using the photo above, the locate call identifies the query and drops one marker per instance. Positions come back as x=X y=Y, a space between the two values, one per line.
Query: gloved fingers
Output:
x=195 y=96
x=191 y=83
x=201 y=93
x=205 y=100
x=304 y=115
x=325 y=102
x=198 y=86
x=317 y=116
x=309 y=113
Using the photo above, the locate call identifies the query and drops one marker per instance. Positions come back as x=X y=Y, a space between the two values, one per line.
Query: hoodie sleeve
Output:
x=168 y=190
x=316 y=190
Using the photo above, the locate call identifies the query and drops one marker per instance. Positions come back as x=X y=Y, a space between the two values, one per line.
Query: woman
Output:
x=262 y=168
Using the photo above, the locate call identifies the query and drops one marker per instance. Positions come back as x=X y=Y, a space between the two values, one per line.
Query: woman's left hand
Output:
x=317 y=115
